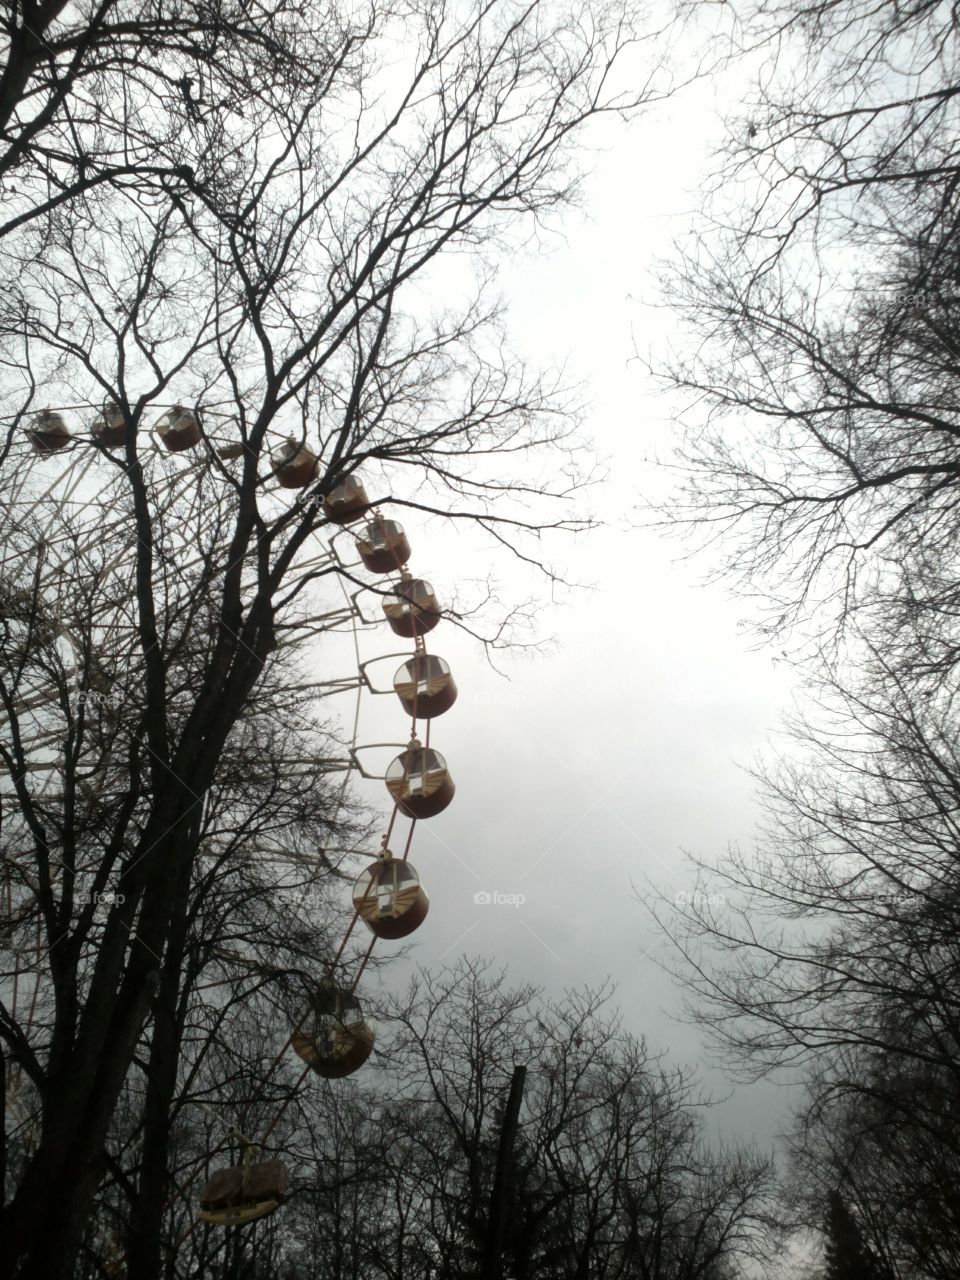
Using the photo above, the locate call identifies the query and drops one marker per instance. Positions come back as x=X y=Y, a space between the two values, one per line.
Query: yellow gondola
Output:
x=420 y=782
x=390 y=899
x=333 y=1038
x=244 y=1192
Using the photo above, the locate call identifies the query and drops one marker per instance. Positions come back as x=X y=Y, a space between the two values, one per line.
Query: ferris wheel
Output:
x=62 y=495
x=332 y=1037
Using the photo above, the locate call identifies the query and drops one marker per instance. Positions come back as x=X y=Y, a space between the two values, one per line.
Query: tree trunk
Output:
x=44 y=1223
x=498 y=1196
x=144 y=1245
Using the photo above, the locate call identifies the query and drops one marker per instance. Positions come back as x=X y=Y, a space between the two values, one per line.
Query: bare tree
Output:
x=820 y=444
x=886 y=1146
x=86 y=90
x=819 y=460
x=833 y=954
x=240 y=936
x=279 y=291
x=391 y=1172
x=610 y=1174
x=844 y=910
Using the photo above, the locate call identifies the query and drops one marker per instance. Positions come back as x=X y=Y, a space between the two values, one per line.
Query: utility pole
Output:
x=498 y=1195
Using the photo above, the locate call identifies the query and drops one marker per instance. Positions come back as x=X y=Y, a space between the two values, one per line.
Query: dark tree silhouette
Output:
x=846 y=1256
x=276 y=269
x=819 y=453
x=819 y=459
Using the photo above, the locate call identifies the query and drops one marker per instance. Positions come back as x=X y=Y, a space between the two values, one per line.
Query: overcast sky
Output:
x=595 y=766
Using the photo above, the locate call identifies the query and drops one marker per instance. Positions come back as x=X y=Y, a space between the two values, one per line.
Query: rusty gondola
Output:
x=294 y=464
x=346 y=502
x=419 y=781
x=414 y=609
x=179 y=429
x=110 y=428
x=425 y=686
x=48 y=433
x=333 y=1038
x=383 y=546
x=389 y=898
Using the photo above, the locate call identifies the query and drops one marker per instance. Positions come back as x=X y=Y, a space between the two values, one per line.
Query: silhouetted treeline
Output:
x=822 y=444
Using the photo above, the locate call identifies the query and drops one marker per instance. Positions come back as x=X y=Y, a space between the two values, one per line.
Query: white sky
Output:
x=595 y=766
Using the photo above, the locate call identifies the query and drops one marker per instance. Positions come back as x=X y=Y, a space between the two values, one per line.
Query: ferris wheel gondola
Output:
x=412 y=609
x=110 y=427
x=332 y=1037
x=294 y=465
x=49 y=433
x=383 y=546
x=390 y=899
x=179 y=429
x=346 y=501
x=245 y=1192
